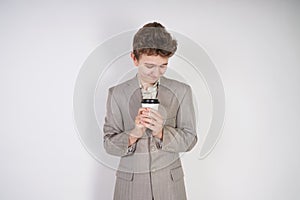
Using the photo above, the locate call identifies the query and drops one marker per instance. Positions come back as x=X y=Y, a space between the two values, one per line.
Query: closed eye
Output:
x=149 y=66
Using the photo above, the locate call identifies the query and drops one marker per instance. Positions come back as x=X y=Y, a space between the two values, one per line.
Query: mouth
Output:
x=153 y=77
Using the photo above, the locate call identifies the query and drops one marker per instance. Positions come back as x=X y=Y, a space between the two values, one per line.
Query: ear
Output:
x=134 y=59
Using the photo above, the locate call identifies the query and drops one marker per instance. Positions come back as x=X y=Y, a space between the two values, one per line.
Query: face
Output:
x=150 y=68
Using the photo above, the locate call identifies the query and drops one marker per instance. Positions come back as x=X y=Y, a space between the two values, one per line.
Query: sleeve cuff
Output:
x=158 y=143
x=131 y=149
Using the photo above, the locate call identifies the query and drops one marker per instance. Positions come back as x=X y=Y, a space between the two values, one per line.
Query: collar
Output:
x=153 y=86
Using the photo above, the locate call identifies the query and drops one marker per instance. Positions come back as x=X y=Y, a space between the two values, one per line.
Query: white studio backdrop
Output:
x=254 y=45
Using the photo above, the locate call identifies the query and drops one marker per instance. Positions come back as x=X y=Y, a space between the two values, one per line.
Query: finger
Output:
x=144 y=116
x=154 y=126
x=154 y=111
x=141 y=110
x=156 y=122
x=155 y=114
x=157 y=119
x=138 y=121
x=149 y=126
x=148 y=121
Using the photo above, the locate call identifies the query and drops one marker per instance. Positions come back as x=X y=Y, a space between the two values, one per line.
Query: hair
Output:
x=153 y=39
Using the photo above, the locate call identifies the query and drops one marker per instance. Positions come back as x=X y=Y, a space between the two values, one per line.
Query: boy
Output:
x=149 y=141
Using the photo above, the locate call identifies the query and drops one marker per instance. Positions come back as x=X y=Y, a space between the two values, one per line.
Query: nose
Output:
x=156 y=71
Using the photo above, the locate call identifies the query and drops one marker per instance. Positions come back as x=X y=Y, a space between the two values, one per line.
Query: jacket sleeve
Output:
x=115 y=138
x=183 y=136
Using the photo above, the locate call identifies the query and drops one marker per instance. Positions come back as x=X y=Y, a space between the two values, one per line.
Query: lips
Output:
x=153 y=77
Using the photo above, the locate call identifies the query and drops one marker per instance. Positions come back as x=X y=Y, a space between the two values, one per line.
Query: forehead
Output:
x=153 y=59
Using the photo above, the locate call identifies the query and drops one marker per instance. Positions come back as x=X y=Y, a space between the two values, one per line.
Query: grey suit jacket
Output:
x=150 y=171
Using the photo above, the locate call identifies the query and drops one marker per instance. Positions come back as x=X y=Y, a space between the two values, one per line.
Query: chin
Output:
x=153 y=80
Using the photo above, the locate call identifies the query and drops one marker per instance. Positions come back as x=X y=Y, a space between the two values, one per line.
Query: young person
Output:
x=148 y=141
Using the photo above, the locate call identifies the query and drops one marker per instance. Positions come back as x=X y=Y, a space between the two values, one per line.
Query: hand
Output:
x=153 y=120
x=139 y=129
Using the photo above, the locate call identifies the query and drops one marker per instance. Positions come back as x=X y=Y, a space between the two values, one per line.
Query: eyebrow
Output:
x=154 y=64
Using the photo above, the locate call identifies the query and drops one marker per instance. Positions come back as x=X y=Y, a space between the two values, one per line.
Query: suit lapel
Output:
x=134 y=96
x=165 y=96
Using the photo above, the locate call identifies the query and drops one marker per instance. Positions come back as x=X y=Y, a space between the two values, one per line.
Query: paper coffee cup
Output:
x=150 y=103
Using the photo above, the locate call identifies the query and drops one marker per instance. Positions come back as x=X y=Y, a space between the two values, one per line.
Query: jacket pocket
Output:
x=176 y=174
x=128 y=176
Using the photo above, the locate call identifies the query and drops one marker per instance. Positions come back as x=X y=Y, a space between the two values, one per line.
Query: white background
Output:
x=255 y=46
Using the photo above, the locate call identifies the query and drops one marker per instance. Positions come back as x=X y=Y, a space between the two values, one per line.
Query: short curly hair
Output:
x=153 y=39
